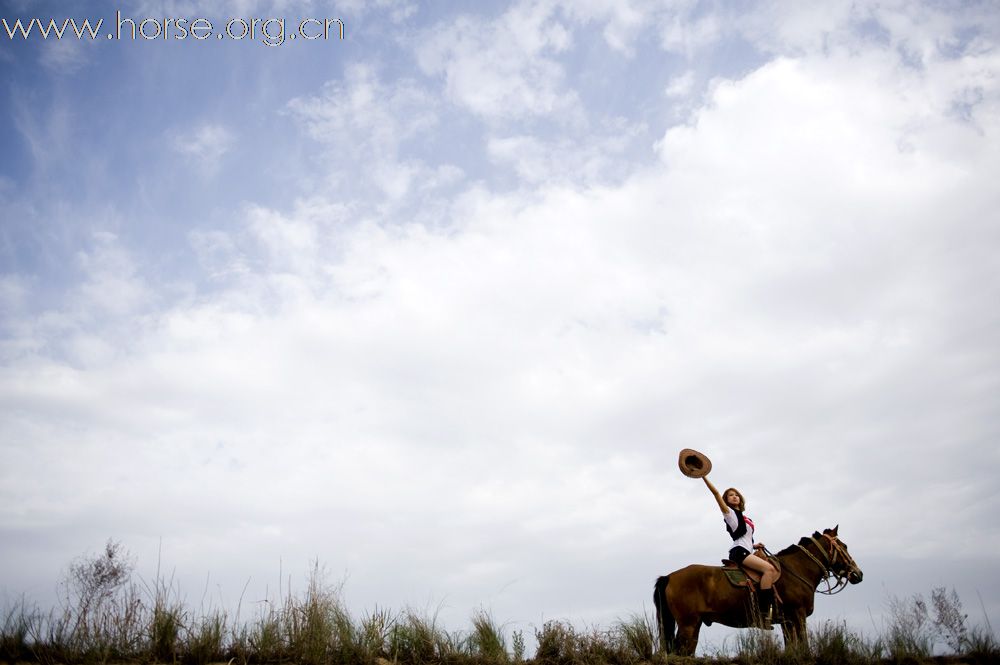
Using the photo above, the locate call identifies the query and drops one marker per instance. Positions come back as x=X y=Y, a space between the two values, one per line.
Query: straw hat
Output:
x=694 y=464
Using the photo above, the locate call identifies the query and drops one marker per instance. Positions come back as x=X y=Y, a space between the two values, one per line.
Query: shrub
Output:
x=557 y=643
x=910 y=635
x=949 y=620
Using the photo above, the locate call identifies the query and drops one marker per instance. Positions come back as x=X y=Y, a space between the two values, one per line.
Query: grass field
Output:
x=107 y=618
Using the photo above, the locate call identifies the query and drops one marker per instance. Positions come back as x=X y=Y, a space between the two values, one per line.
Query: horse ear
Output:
x=834 y=532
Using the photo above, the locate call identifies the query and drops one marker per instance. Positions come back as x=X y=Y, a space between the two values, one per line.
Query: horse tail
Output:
x=664 y=619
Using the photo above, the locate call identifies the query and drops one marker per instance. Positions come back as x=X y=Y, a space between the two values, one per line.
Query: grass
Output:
x=830 y=644
x=106 y=618
x=316 y=629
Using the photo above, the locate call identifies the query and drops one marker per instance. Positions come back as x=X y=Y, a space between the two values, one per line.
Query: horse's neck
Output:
x=800 y=563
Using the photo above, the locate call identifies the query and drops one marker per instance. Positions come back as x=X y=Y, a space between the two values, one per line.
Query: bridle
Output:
x=835 y=582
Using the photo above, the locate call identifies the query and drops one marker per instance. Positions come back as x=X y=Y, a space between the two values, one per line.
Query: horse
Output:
x=698 y=594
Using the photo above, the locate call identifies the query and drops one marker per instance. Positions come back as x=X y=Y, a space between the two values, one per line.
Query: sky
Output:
x=437 y=304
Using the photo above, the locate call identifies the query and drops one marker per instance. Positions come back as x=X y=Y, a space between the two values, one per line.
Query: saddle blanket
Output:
x=736 y=576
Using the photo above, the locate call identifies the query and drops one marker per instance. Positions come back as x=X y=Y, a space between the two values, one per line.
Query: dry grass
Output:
x=107 y=618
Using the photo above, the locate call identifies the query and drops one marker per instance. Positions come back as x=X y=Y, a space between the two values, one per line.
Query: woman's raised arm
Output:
x=715 y=493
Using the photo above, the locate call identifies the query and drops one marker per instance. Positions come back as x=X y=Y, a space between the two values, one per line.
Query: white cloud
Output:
x=367 y=112
x=112 y=281
x=505 y=68
x=681 y=85
x=734 y=300
x=623 y=21
x=206 y=145
x=249 y=9
x=492 y=390
x=785 y=28
x=920 y=32
x=365 y=125
x=47 y=134
x=397 y=10
x=682 y=34
x=599 y=158
x=101 y=315
x=64 y=56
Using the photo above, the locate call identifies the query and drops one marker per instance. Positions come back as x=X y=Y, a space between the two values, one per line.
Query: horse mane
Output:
x=802 y=543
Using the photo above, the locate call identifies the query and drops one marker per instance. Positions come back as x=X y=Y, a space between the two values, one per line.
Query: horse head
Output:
x=839 y=560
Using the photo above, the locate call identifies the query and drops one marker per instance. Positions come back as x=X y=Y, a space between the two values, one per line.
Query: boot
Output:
x=765 y=601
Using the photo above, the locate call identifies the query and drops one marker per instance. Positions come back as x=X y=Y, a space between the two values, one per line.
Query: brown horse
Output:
x=699 y=594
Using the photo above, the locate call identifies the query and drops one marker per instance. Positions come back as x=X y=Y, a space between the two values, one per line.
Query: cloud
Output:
x=64 y=56
x=367 y=113
x=205 y=146
x=451 y=388
x=397 y=10
x=537 y=160
x=623 y=21
x=505 y=68
x=98 y=317
x=364 y=123
x=680 y=86
x=686 y=35
x=48 y=134
x=744 y=296
x=828 y=211
x=919 y=32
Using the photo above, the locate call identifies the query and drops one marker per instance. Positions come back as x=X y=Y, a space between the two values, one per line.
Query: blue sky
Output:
x=438 y=303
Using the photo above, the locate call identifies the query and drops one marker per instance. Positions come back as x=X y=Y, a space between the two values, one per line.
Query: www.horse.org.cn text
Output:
x=268 y=31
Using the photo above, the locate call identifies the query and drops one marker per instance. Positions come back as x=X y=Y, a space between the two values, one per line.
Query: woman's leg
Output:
x=768 y=573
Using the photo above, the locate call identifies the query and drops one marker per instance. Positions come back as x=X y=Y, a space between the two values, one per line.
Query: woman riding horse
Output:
x=741 y=530
x=699 y=595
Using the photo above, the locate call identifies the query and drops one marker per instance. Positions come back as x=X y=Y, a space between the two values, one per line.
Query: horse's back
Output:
x=696 y=588
x=696 y=569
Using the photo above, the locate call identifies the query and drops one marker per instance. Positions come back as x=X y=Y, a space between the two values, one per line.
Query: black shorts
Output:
x=737 y=554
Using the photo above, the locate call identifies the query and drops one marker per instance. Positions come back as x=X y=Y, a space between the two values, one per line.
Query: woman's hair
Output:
x=743 y=502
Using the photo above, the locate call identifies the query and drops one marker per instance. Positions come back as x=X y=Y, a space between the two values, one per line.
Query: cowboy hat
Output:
x=694 y=464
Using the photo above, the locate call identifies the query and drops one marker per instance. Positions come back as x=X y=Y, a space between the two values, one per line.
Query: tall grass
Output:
x=981 y=646
x=486 y=639
x=910 y=636
x=628 y=642
x=314 y=628
x=106 y=617
x=14 y=632
x=833 y=644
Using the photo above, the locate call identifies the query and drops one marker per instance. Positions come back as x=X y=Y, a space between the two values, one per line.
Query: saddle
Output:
x=740 y=576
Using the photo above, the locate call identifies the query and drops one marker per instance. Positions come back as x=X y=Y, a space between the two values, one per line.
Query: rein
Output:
x=827 y=568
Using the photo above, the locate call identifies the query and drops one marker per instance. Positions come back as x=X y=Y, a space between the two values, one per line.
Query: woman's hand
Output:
x=758 y=546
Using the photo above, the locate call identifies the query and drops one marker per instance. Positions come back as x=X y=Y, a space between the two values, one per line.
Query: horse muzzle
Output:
x=854 y=577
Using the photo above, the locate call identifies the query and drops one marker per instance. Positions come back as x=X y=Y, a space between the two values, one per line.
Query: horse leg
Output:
x=788 y=632
x=794 y=630
x=687 y=635
x=803 y=640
